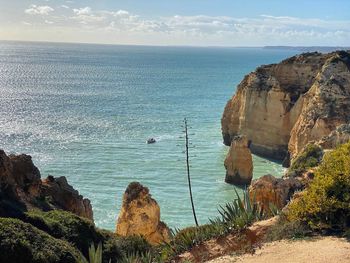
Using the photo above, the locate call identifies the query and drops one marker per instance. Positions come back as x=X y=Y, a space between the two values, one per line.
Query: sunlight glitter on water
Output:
x=85 y=112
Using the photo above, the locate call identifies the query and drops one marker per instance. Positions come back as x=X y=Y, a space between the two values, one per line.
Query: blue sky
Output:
x=180 y=22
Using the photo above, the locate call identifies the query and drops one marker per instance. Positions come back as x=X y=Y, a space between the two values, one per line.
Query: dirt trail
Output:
x=316 y=250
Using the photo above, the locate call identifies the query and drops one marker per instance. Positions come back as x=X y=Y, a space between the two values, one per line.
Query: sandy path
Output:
x=318 y=250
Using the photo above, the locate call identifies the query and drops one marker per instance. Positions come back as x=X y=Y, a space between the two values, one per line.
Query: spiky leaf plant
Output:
x=95 y=255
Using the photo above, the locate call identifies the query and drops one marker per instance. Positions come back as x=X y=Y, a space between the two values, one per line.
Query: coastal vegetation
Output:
x=325 y=204
x=22 y=242
x=234 y=217
x=73 y=236
x=59 y=236
x=309 y=157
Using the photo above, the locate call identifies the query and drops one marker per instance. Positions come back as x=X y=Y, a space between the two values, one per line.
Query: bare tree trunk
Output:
x=188 y=171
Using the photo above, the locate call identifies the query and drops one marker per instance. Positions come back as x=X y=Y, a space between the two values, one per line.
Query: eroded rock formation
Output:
x=281 y=107
x=140 y=215
x=276 y=191
x=239 y=162
x=21 y=189
x=63 y=195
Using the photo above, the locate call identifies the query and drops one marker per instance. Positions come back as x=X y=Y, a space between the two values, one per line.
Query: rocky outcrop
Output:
x=281 y=107
x=22 y=189
x=276 y=191
x=66 y=197
x=140 y=215
x=239 y=162
x=339 y=136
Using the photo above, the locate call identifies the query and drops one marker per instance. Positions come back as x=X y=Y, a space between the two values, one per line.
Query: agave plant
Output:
x=236 y=215
x=147 y=257
x=241 y=212
x=95 y=255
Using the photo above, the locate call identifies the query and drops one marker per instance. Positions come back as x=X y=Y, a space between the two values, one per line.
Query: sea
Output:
x=85 y=111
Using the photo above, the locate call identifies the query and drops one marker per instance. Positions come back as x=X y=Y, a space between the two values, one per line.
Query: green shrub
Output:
x=82 y=233
x=188 y=237
x=64 y=225
x=310 y=157
x=285 y=229
x=117 y=248
x=326 y=203
x=21 y=242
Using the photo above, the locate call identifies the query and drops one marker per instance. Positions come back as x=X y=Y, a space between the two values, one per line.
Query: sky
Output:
x=178 y=22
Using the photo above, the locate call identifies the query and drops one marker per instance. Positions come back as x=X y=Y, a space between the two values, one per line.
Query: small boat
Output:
x=151 y=140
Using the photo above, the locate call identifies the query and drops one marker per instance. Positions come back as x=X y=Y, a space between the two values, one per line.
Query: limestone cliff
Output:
x=140 y=215
x=281 y=107
x=22 y=189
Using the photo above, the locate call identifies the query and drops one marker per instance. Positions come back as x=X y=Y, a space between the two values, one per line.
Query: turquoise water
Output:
x=85 y=112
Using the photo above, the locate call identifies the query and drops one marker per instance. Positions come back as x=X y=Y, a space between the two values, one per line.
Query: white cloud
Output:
x=39 y=10
x=121 y=13
x=82 y=11
x=65 y=6
x=26 y=23
x=199 y=29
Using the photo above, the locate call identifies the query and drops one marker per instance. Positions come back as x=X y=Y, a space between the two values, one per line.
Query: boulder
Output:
x=140 y=215
x=271 y=190
x=239 y=162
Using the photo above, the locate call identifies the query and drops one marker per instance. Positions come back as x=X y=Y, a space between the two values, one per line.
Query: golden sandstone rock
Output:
x=239 y=162
x=268 y=190
x=140 y=215
x=282 y=107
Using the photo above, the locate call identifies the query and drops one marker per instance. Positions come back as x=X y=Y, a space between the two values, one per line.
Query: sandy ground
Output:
x=317 y=250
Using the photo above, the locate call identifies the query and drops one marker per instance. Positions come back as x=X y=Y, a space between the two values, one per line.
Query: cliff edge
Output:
x=282 y=107
x=22 y=189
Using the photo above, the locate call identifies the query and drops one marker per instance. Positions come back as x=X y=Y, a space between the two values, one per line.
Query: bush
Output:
x=64 y=225
x=81 y=232
x=189 y=237
x=21 y=242
x=285 y=229
x=326 y=203
x=310 y=157
x=117 y=248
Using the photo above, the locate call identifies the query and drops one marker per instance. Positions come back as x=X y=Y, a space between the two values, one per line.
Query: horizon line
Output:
x=160 y=45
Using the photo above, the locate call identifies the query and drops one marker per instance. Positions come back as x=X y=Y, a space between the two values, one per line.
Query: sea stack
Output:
x=239 y=162
x=140 y=215
x=282 y=107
